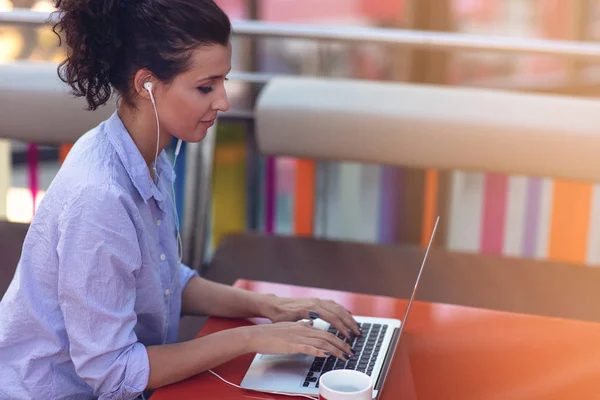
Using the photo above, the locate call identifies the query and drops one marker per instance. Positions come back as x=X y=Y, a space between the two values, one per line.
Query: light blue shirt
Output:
x=99 y=277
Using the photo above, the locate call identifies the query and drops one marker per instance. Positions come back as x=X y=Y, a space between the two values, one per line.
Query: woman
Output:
x=94 y=306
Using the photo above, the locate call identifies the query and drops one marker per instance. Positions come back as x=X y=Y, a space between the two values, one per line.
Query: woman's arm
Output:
x=172 y=363
x=98 y=257
x=203 y=297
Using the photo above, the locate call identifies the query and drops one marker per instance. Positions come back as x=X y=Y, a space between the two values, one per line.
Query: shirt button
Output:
x=167 y=292
x=163 y=257
x=158 y=222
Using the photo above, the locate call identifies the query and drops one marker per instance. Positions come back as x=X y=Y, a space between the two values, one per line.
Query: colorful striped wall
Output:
x=526 y=217
x=228 y=205
x=487 y=213
x=491 y=213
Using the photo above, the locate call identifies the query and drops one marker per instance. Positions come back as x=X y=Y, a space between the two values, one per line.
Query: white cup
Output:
x=344 y=384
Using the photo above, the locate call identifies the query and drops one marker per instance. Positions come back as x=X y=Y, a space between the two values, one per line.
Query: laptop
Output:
x=299 y=373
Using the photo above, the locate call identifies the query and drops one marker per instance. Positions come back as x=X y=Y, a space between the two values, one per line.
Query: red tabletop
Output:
x=446 y=352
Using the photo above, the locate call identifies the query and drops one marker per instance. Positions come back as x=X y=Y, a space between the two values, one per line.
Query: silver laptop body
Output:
x=300 y=373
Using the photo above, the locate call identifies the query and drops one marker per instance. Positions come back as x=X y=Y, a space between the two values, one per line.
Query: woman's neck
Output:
x=141 y=126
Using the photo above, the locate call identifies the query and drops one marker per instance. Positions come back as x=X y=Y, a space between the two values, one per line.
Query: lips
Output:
x=210 y=120
x=209 y=123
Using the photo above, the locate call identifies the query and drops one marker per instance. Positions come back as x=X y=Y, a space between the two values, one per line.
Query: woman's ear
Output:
x=140 y=78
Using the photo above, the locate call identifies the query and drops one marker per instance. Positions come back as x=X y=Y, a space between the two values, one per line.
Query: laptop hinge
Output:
x=389 y=355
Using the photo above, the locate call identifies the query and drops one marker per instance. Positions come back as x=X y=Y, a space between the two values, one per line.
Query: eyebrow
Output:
x=214 y=76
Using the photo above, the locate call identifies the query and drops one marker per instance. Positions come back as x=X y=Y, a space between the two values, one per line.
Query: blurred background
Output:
x=488 y=213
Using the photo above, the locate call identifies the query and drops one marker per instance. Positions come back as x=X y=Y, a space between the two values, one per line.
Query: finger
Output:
x=344 y=315
x=335 y=341
x=336 y=322
x=305 y=348
x=326 y=347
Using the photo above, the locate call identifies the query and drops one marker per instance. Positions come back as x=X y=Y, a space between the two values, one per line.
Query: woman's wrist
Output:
x=246 y=339
x=266 y=306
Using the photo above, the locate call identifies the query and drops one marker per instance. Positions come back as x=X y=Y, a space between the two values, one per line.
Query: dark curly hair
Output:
x=110 y=40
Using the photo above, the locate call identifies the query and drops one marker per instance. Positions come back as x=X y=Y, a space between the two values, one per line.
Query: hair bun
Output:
x=91 y=32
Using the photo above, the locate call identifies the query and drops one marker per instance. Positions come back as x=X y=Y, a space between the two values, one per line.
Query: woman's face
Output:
x=189 y=104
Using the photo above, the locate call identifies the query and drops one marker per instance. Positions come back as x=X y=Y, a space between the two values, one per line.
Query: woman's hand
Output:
x=294 y=309
x=294 y=338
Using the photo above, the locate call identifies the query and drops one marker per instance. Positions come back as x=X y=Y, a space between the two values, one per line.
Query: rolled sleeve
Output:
x=185 y=274
x=99 y=256
x=137 y=372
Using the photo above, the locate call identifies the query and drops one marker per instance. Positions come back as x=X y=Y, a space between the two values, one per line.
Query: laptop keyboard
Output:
x=367 y=348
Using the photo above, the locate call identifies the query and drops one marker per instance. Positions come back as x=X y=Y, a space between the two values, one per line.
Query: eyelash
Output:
x=207 y=89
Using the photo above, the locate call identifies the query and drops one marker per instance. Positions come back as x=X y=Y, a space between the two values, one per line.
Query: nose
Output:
x=222 y=103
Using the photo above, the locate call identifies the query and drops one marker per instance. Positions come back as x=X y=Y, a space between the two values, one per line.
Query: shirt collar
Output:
x=134 y=162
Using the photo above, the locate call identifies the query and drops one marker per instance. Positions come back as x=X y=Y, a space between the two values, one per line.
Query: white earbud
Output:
x=148 y=86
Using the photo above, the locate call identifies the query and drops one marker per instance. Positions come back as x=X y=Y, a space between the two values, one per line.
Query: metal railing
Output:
x=352 y=34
